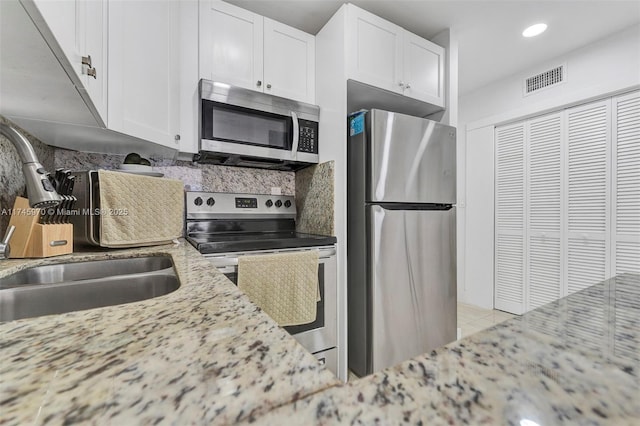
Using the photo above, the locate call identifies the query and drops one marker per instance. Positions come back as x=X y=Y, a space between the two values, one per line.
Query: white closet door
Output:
x=544 y=210
x=588 y=193
x=510 y=208
x=626 y=185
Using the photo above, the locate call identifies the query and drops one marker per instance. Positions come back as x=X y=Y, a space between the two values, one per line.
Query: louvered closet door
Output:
x=509 y=242
x=588 y=192
x=626 y=185
x=544 y=210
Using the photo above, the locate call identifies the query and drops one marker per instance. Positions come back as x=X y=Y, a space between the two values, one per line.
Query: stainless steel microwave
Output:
x=241 y=127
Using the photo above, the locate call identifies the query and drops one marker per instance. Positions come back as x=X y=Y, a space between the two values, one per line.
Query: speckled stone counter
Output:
x=575 y=361
x=200 y=355
x=205 y=355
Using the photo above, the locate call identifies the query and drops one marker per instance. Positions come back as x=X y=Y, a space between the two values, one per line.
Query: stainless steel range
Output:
x=224 y=227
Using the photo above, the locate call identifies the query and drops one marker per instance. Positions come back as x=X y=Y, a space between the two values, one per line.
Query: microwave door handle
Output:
x=296 y=134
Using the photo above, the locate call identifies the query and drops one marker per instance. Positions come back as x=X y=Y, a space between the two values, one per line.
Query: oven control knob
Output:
x=278 y=203
x=269 y=203
x=197 y=201
x=210 y=201
x=287 y=204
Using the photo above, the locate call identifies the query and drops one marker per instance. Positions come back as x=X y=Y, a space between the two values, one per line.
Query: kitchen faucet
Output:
x=40 y=191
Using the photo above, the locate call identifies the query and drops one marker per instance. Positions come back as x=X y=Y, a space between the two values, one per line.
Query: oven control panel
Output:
x=246 y=203
x=222 y=205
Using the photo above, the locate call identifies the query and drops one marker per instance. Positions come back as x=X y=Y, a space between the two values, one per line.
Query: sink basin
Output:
x=69 y=287
x=49 y=274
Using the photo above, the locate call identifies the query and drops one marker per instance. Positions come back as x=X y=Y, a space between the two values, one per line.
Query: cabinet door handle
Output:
x=401 y=84
x=268 y=86
x=407 y=86
x=176 y=138
x=86 y=60
x=92 y=72
x=259 y=83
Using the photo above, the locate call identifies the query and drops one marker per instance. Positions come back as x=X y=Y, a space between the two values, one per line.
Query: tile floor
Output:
x=471 y=319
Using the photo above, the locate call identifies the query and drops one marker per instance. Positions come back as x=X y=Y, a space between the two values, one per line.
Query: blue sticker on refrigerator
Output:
x=357 y=125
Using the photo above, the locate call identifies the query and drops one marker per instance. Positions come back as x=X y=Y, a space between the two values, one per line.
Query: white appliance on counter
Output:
x=224 y=227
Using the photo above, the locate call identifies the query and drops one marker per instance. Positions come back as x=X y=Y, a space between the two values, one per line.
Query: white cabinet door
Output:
x=374 y=50
x=588 y=193
x=93 y=24
x=626 y=184
x=144 y=70
x=62 y=18
x=544 y=141
x=423 y=70
x=510 y=220
x=231 y=47
x=80 y=28
x=289 y=62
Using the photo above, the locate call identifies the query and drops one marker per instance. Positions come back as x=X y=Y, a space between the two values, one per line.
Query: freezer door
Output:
x=413 y=160
x=413 y=288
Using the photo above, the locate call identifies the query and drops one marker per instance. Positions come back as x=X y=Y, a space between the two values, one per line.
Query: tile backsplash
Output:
x=315 y=199
x=196 y=177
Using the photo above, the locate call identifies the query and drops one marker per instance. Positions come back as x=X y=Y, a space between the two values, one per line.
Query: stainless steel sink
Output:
x=69 y=287
x=49 y=274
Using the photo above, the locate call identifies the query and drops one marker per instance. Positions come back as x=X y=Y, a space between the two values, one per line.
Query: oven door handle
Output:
x=226 y=269
x=224 y=262
x=296 y=135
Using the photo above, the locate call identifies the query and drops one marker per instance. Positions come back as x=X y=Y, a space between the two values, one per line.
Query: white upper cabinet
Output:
x=374 y=50
x=423 y=70
x=386 y=56
x=80 y=27
x=144 y=68
x=244 y=49
x=231 y=45
x=289 y=62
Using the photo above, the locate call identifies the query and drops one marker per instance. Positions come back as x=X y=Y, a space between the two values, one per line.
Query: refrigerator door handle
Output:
x=414 y=206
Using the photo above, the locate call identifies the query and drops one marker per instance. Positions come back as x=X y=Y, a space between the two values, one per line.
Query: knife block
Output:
x=33 y=239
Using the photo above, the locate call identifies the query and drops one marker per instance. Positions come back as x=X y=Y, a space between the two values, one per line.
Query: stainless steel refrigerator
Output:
x=401 y=238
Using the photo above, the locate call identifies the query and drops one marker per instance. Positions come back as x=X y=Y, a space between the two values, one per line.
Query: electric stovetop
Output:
x=227 y=222
x=207 y=243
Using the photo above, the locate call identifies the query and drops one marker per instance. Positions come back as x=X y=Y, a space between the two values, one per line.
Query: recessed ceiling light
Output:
x=534 y=30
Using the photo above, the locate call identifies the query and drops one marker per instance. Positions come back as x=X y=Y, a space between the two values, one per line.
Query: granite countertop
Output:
x=203 y=354
x=206 y=355
x=574 y=361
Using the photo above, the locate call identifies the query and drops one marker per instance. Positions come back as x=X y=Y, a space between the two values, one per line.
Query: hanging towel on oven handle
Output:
x=284 y=285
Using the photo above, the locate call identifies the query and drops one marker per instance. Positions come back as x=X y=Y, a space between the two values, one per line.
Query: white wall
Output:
x=476 y=287
x=609 y=66
x=605 y=67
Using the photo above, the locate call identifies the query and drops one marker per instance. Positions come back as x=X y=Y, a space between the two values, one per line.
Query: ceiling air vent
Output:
x=544 y=80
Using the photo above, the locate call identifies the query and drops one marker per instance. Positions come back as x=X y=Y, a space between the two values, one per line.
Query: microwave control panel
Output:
x=308 y=137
